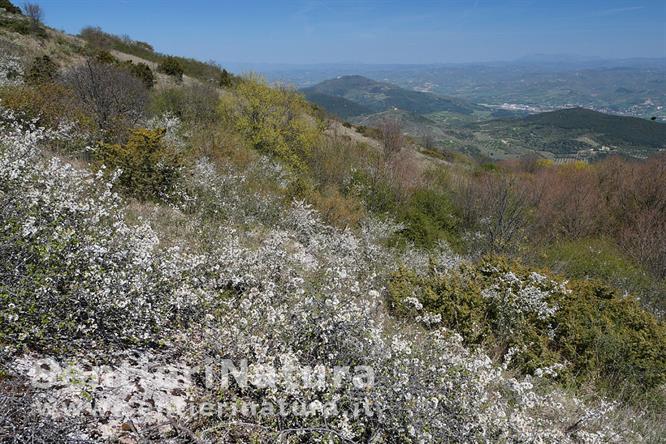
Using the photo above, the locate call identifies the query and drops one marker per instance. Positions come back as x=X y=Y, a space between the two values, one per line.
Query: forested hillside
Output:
x=379 y=96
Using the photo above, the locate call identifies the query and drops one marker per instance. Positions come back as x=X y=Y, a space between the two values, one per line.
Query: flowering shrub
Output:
x=11 y=70
x=50 y=105
x=274 y=121
x=74 y=273
x=583 y=326
x=285 y=291
x=318 y=308
x=174 y=134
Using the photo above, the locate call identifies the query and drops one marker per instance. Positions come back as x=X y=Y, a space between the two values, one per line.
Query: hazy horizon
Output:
x=303 y=32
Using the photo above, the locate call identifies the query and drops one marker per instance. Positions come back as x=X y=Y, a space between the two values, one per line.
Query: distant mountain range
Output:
x=635 y=87
x=482 y=131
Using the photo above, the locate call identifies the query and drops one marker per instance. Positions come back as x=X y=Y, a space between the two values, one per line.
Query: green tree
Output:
x=150 y=168
x=42 y=70
x=226 y=79
x=171 y=66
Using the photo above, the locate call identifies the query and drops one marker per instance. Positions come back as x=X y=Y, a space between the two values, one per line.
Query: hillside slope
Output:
x=338 y=106
x=610 y=129
x=380 y=96
x=219 y=262
x=577 y=130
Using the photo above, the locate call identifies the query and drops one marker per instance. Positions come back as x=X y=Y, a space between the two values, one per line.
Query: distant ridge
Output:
x=374 y=96
x=335 y=105
x=611 y=128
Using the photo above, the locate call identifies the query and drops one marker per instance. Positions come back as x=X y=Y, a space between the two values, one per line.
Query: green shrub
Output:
x=377 y=193
x=607 y=335
x=601 y=259
x=429 y=216
x=22 y=25
x=142 y=72
x=226 y=79
x=598 y=334
x=104 y=56
x=196 y=104
x=171 y=66
x=150 y=169
x=274 y=121
x=167 y=100
x=96 y=38
x=42 y=70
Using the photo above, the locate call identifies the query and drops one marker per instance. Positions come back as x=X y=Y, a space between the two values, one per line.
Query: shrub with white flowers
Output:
x=289 y=291
x=11 y=70
x=74 y=273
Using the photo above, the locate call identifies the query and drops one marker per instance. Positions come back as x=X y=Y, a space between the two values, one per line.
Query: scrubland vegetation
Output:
x=229 y=219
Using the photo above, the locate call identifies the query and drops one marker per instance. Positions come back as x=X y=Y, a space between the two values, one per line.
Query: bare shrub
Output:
x=428 y=141
x=498 y=204
x=115 y=98
x=391 y=137
x=569 y=205
x=637 y=204
x=404 y=173
x=201 y=103
x=33 y=11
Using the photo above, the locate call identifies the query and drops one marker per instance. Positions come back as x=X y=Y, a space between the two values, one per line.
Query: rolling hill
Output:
x=570 y=131
x=610 y=129
x=379 y=97
x=338 y=106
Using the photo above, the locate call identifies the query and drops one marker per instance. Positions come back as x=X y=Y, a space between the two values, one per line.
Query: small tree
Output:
x=226 y=79
x=171 y=66
x=34 y=12
x=114 y=97
x=42 y=70
x=391 y=136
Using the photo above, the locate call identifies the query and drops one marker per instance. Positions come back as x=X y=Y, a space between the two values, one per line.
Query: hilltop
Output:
x=381 y=96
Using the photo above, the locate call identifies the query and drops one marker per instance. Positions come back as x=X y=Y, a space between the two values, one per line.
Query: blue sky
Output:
x=375 y=31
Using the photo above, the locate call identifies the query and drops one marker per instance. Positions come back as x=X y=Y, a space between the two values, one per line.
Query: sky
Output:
x=375 y=31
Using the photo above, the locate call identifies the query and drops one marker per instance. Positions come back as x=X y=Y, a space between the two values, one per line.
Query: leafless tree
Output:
x=498 y=204
x=392 y=140
x=33 y=11
x=113 y=96
x=427 y=140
